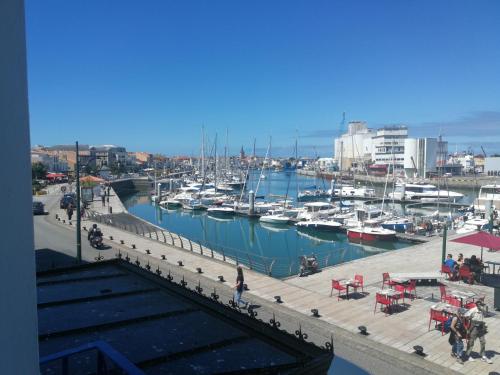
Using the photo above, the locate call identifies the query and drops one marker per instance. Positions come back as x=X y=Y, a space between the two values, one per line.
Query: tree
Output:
x=38 y=171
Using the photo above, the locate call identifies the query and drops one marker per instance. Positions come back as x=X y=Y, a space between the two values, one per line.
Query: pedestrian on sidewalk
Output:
x=103 y=197
x=477 y=330
x=69 y=211
x=457 y=335
x=239 y=286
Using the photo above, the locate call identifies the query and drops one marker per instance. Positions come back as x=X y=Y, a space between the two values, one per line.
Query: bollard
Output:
x=163 y=257
x=111 y=238
x=278 y=299
x=315 y=313
x=133 y=246
x=148 y=251
x=179 y=262
x=110 y=209
x=199 y=270
x=122 y=242
x=221 y=278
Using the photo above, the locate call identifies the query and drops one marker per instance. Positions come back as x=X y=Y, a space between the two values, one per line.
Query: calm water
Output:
x=264 y=246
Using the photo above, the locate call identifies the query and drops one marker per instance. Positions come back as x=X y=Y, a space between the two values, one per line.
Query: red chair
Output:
x=386 y=279
x=412 y=286
x=358 y=279
x=383 y=300
x=437 y=316
x=455 y=301
x=464 y=273
x=444 y=295
x=336 y=285
x=445 y=269
x=401 y=289
x=470 y=305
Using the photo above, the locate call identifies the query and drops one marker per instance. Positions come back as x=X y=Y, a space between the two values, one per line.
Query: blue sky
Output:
x=148 y=74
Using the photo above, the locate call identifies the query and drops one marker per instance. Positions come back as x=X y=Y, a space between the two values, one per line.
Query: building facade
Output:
x=354 y=149
x=492 y=166
x=388 y=147
x=420 y=156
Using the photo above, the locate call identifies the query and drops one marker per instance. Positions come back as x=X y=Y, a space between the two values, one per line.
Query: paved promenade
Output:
x=386 y=350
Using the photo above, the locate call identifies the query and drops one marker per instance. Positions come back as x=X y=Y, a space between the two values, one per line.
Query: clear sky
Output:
x=148 y=74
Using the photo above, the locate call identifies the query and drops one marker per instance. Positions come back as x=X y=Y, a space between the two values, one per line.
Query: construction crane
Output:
x=484 y=153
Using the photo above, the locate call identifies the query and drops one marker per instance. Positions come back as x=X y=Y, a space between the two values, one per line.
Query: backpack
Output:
x=447 y=324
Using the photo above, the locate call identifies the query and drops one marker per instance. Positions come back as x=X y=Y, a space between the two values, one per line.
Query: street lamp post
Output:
x=78 y=213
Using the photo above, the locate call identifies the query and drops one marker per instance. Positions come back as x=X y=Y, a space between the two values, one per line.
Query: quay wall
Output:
x=458 y=182
x=131 y=185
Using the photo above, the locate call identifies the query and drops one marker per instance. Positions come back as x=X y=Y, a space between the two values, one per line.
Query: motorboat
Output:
x=352 y=192
x=315 y=210
x=423 y=193
x=274 y=219
x=324 y=225
x=220 y=210
x=171 y=203
x=193 y=205
x=489 y=195
x=399 y=224
x=473 y=225
x=368 y=232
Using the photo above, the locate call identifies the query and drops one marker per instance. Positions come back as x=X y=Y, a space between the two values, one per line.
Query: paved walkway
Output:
x=391 y=336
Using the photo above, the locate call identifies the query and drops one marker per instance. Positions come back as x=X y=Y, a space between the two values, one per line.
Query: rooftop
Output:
x=158 y=325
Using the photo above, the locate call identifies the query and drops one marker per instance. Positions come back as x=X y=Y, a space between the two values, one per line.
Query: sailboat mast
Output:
x=203 y=153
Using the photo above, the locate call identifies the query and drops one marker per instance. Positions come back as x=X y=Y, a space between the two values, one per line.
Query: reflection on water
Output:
x=260 y=244
x=254 y=242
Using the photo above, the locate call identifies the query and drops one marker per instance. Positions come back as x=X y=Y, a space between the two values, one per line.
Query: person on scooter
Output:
x=94 y=232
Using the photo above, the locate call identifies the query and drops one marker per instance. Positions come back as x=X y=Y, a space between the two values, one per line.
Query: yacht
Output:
x=314 y=210
x=324 y=225
x=423 y=193
x=473 y=225
x=488 y=194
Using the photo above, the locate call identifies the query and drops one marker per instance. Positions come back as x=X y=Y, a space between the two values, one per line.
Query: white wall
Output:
x=492 y=166
x=18 y=316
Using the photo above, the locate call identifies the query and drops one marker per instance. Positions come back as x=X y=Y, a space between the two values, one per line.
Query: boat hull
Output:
x=369 y=236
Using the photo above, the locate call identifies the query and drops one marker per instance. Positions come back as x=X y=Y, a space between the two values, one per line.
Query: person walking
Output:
x=457 y=335
x=477 y=330
x=103 y=197
x=239 y=286
x=69 y=211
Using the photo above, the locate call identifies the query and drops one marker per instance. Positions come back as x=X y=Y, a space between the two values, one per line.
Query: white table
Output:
x=417 y=276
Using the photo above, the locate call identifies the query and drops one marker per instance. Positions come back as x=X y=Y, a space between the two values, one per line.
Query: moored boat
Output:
x=371 y=233
x=324 y=225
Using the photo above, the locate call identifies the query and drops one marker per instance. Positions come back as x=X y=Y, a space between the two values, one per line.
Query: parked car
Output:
x=38 y=208
x=67 y=199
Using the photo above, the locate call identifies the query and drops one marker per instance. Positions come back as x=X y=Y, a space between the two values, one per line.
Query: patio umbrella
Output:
x=483 y=239
x=91 y=180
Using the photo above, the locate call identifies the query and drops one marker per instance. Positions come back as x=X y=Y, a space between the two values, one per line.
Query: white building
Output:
x=492 y=166
x=326 y=164
x=52 y=162
x=388 y=147
x=354 y=147
x=420 y=156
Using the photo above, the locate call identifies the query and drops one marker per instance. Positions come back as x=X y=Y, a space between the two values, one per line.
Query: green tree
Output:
x=38 y=171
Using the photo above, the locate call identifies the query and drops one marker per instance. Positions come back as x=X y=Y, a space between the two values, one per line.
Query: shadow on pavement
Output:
x=47 y=259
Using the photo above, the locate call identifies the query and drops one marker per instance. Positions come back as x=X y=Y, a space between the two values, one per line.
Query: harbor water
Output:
x=268 y=248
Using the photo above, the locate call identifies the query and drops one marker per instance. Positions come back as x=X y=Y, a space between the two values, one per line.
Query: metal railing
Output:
x=272 y=266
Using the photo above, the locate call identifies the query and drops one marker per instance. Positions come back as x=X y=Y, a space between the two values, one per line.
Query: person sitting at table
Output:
x=476 y=267
x=460 y=260
x=451 y=264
